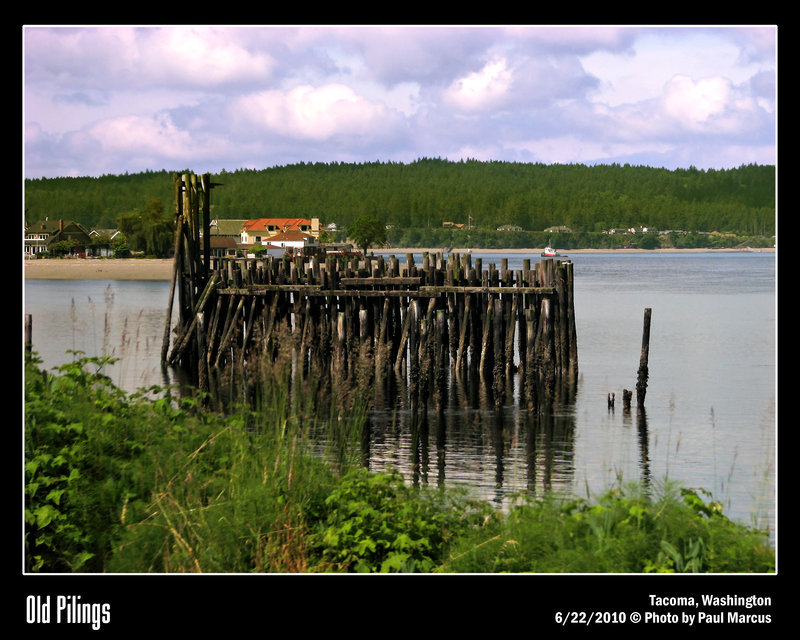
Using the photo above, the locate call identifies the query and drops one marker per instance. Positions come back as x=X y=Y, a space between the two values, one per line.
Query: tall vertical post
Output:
x=641 y=382
x=28 y=335
x=176 y=264
x=206 y=185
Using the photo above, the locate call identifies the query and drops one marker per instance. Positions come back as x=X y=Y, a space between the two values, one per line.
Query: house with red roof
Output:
x=261 y=230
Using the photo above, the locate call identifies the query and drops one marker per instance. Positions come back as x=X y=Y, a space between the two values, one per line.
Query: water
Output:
x=121 y=319
x=710 y=419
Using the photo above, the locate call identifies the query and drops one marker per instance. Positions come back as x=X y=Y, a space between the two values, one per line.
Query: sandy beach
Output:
x=153 y=269
x=104 y=269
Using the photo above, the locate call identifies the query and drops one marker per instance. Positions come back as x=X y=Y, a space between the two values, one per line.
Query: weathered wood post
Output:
x=626 y=399
x=202 y=362
x=498 y=351
x=530 y=358
x=462 y=340
x=206 y=229
x=176 y=264
x=28 y=335
x=641 y=382
x=485 y=343
x=572 y=329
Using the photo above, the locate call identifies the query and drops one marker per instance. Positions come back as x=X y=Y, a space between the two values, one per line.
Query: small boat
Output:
x=549 y=252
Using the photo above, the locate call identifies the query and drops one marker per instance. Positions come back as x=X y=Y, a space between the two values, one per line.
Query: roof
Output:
x=111 y=233
x=52 y=226
x=291 y=236
x=222 y=242
x=287 y=224
x=226 y=227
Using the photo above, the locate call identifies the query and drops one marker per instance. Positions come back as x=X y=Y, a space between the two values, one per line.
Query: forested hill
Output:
x=428 y=192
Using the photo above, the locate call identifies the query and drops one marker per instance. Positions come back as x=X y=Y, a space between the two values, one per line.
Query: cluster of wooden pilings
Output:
x=356 y=319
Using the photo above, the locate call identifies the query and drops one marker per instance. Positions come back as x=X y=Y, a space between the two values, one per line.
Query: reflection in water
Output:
x=462 y=437
x=643 y=439
x=641 y=424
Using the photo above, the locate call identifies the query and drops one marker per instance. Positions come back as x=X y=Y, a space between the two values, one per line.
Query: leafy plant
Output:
x=375 y=523
x=61 y=465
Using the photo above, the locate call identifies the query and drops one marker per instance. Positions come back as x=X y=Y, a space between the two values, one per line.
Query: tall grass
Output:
x=127 y=483
x=155 y=482
x=629 y=529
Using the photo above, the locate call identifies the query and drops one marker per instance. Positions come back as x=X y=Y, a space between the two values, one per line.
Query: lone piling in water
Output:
x=643 y=374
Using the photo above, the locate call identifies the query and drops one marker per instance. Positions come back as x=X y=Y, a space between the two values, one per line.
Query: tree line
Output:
x=428 y=192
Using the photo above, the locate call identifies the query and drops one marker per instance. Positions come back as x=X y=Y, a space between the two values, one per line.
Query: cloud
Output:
x=137 y=136
x=482 y=89
x=694 y=103
x=143 y=57
x=314 y=113
x=115 y=99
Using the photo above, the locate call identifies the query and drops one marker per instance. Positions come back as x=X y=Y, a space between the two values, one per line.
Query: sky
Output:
x=114 y=99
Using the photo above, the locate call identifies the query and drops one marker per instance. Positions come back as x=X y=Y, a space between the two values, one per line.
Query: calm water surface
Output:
x=710 y=417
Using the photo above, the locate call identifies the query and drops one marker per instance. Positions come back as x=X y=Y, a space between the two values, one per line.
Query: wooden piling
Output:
x=421 y=323
x=28 y=335
x=643 y=373
x=626 y=399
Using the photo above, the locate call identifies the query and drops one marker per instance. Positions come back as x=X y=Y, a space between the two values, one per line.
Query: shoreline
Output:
x=161 y=269
x=537 y=251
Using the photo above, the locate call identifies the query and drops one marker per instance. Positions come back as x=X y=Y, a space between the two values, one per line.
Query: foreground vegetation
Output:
x=151 y=482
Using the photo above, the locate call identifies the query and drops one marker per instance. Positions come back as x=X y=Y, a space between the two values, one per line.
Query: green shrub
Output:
x=624 y=531
x=375 y=523
x=75 y=459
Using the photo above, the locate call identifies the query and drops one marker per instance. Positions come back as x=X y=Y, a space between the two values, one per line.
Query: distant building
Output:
x=509 y=227
x=102 y=239
x=558 y=229
x=293 y=240
x=453 y=225
x=263 y=229
x=40 y=236
x=223 y=246
x=226 y=228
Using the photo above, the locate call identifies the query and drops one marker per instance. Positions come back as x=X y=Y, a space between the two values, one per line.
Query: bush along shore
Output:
x=153 y=482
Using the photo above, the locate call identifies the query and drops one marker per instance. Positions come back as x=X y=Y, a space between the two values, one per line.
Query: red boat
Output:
x=549 y=252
